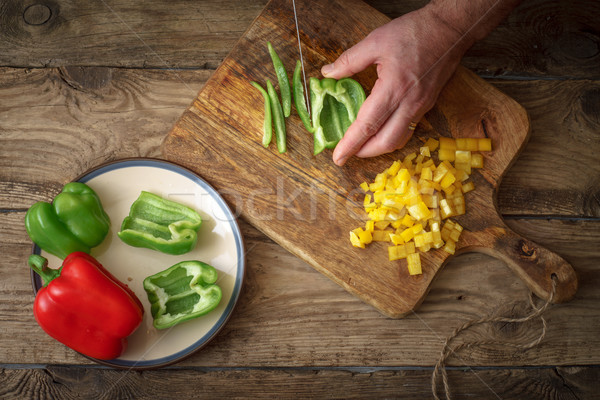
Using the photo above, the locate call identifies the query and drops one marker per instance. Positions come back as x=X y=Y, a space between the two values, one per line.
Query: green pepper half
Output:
x=160 y=224
x=182 y=292
x=75 y=221
x=334 y=106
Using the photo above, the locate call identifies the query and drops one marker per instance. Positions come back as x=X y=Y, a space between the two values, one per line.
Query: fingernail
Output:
x=340 y=160
x=327 y=69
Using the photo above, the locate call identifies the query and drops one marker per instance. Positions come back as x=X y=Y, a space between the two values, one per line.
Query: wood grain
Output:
x=282 y=343
x=306 y=192
x=65 y=383
x=558 y=38
x=124 y=32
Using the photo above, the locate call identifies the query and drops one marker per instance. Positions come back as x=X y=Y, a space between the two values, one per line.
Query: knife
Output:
x=306 y=92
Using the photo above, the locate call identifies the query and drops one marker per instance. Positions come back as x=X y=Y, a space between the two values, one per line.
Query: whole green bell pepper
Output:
x=334 y=106
x=184 y=291
x=160 y=224
x=75 y=221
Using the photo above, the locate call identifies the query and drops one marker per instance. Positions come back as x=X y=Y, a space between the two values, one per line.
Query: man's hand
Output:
x=415 y=54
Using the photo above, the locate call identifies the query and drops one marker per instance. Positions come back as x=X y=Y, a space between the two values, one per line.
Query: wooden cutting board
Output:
x=306 y=203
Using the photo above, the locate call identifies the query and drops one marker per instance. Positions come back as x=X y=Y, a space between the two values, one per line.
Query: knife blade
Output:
x=306 y=92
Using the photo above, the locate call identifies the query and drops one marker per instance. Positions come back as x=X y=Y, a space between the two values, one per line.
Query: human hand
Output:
x=415 y=55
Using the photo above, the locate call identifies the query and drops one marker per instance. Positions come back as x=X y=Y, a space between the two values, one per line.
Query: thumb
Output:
x=351 y=61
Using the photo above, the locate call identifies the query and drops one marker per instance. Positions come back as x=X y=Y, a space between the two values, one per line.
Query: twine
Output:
x=440 y=366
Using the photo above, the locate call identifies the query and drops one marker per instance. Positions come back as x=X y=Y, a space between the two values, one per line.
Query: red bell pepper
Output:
x=85 y=307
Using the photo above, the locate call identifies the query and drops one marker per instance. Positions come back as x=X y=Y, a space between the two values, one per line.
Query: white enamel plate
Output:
x=220 y=244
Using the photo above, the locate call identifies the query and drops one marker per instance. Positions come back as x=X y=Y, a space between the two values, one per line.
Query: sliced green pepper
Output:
x=267 y=126
x=184 y=291
x=334 y=105
x=160 y=224
x=299 y=100
x=278 y=119
x=284 y=82
x=75 y=221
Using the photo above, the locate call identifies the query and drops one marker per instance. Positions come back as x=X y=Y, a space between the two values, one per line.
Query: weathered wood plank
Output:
x=58 y=123
x=558 y=38
x=294 y=316
x=174 y=34
x=69 y=383
x=558 y=172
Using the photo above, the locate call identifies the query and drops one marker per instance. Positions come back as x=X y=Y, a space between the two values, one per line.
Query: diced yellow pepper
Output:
x=381 y=236
x=379 y=214
x=450 y=246
x=446 y=154
x=440 y=172
x=365 y=237
x=484 y=144
x=426 y=174
x=432 y=144
x=414 y=195
x=414 y=264
x=467 y=187
x=419 y=211
x=447 y=180
x=445 y=209
x=408 y=221
x=396 y=238
x=356 y=241
x=477 y=160
x=394 y=168
x=462 y=156
x=447 y=143
x=409 y=158
x=464 y=167
x=407 y=235
x=381 y=225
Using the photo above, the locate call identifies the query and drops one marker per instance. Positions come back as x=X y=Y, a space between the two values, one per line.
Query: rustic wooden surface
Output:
x=287 y=195
x=84 y=84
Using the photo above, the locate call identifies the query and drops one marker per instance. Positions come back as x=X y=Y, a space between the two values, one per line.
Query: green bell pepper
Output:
x=299 y=100
x=278 y=119
x=75 y=221
x=160 y=224
x=283 y=80
x=267 y=123
x=184 y=291
x=334 y=106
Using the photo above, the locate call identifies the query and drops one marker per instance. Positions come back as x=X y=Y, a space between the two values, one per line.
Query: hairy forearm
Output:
x=471 y=20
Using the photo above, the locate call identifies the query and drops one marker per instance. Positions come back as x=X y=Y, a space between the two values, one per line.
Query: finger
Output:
x=351 y=61
x=373 y=113
x=393 y=135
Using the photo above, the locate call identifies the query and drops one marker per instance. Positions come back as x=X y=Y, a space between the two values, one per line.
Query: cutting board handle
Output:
x=534 y=264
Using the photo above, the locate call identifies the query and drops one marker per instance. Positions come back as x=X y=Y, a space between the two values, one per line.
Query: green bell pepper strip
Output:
x=75 y=221
x=299 y=100
x=278 y=119
x=267 y=125
x=284 y=82
x=160 y=224
x=335 y=105
x=184 y=291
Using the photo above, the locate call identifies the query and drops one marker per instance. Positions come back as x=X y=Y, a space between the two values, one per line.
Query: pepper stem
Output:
x=40 y=265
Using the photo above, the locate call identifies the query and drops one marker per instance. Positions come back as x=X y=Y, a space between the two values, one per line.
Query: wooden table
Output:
x=84 y=83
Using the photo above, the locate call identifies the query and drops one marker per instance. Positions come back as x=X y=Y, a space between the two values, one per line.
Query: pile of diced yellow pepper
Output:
x=409 y=201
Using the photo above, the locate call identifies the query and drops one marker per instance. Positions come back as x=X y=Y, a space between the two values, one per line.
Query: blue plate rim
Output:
x=240 y=247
